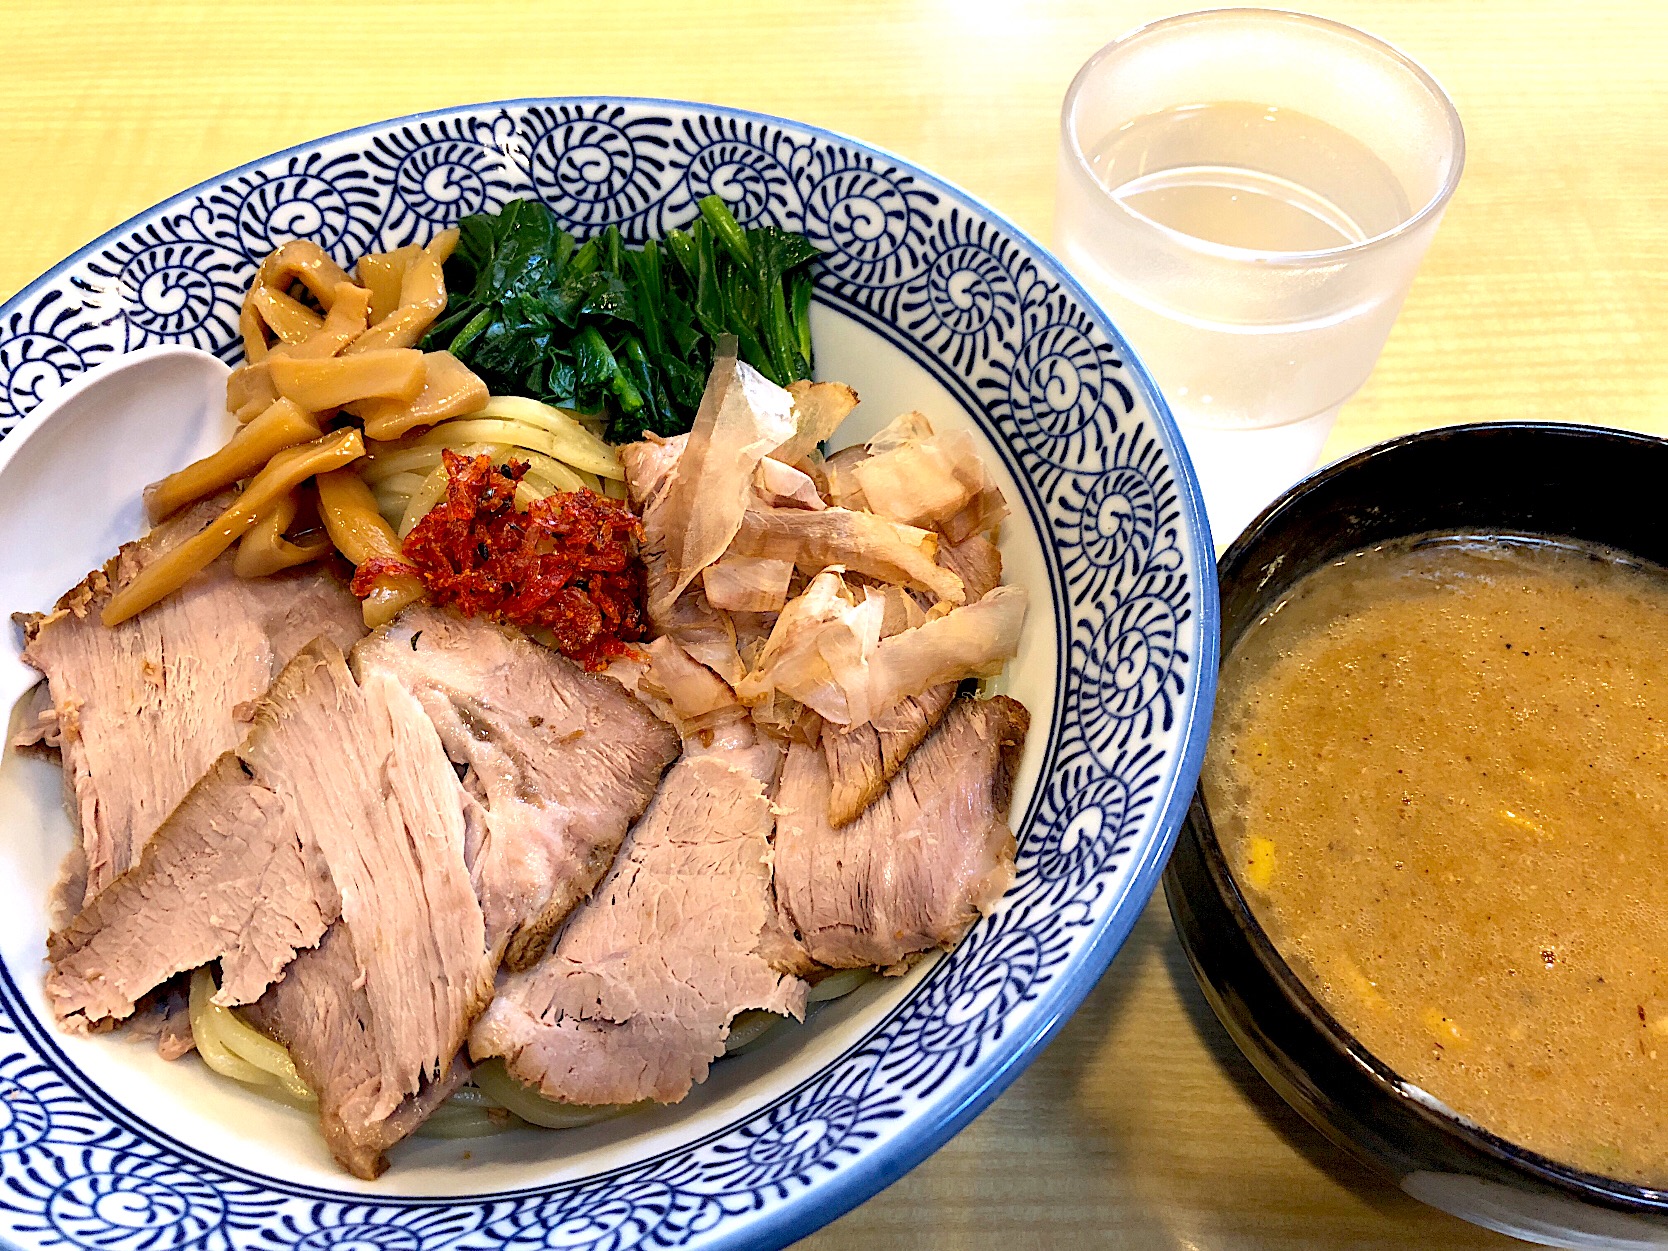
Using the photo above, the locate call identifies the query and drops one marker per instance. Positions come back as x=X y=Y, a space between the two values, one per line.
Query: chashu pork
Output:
x=375 y=1016
x=562 y=762
x=863 y=759
x=636 y=999
x=921 y=863
x=141 y=710
x=339 y=821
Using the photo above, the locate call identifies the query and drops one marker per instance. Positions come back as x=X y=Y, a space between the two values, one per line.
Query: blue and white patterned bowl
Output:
x=926 y=300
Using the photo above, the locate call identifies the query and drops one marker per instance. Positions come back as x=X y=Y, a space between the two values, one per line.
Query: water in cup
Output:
x=1267 y=181
x=1248 y=194
x=1296 y=184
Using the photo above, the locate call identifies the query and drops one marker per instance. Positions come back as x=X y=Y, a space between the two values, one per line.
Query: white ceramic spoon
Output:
x=99 y=441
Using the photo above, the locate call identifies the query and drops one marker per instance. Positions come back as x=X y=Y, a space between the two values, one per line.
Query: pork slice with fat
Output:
x=564 y=761
x=637 y=997
x=141 y=710
x=921 y=863
x=864 y=758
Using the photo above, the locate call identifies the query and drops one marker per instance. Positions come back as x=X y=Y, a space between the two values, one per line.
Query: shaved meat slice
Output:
x=141 y=710
x=648 y=466
x=910 y=427
x=939 y=481
x=860 y=542
x=970 y=642
x=827 y=651
x=921 y=863
x=818 y=410
x=226 y=878
x=375 y=1015
x=786 y=487
x=818 y=651
x=322 y=1013
x=705 y=631
x=565 y=760
x=747 y=583
x=742 y=417
x=863 y=758
x=636 y=999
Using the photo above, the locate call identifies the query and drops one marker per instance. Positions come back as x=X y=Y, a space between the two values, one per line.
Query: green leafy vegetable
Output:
x=602 y=327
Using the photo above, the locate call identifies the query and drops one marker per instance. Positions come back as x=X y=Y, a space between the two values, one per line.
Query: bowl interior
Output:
x=227 y=1122
x=925 y=299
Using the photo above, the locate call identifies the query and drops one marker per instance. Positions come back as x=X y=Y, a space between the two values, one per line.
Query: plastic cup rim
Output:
x=1430 y=210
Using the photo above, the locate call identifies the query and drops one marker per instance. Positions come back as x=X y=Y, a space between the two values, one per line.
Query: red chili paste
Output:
x=567 y=563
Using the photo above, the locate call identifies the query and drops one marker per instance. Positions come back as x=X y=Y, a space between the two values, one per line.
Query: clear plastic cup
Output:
x=1249 y=192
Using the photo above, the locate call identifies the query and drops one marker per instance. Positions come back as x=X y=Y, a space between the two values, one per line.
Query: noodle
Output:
x=839 y=984
x=286 y=471
x=281 y=425
x=749 y=1029
x=494 y=1079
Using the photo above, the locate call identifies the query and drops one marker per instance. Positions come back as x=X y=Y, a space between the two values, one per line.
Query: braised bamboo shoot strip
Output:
x=380 y=273
x=264 y=549
x=344 y=326
x=283 y=424
x=360 y=533
x=422 y=299
x=288 y=318
x=394 y=373
x=449 y=390
x=283 y=473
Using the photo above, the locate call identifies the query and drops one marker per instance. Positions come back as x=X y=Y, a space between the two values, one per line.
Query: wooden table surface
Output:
x=1545 y=295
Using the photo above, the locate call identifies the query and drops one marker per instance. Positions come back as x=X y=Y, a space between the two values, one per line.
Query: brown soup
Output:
x=1439 y=771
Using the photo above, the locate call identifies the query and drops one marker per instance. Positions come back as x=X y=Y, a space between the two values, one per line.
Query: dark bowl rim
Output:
x=1574 y=1182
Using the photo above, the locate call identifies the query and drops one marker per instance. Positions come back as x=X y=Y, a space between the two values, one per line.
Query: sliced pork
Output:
x=140 y=711
x=225 y=878
x=921 y=863
x=376 y=1014
x=563 y=761
x=338 y=821
x=636 y=1000
x=864 y=758
x=334 y=1035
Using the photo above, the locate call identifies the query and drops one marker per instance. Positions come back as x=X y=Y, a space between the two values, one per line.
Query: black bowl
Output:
x=1579 y=482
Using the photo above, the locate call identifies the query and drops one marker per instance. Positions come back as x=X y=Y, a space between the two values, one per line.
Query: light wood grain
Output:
x=1544 y=295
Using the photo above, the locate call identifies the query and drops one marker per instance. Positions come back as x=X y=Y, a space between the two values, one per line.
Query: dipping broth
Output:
x=1439 y=772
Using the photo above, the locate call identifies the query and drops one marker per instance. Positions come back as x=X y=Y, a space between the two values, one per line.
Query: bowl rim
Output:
x=1564 y=1178
x=864 y=1177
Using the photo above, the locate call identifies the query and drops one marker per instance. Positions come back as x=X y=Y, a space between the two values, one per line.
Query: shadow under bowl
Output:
x=1586 y=483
